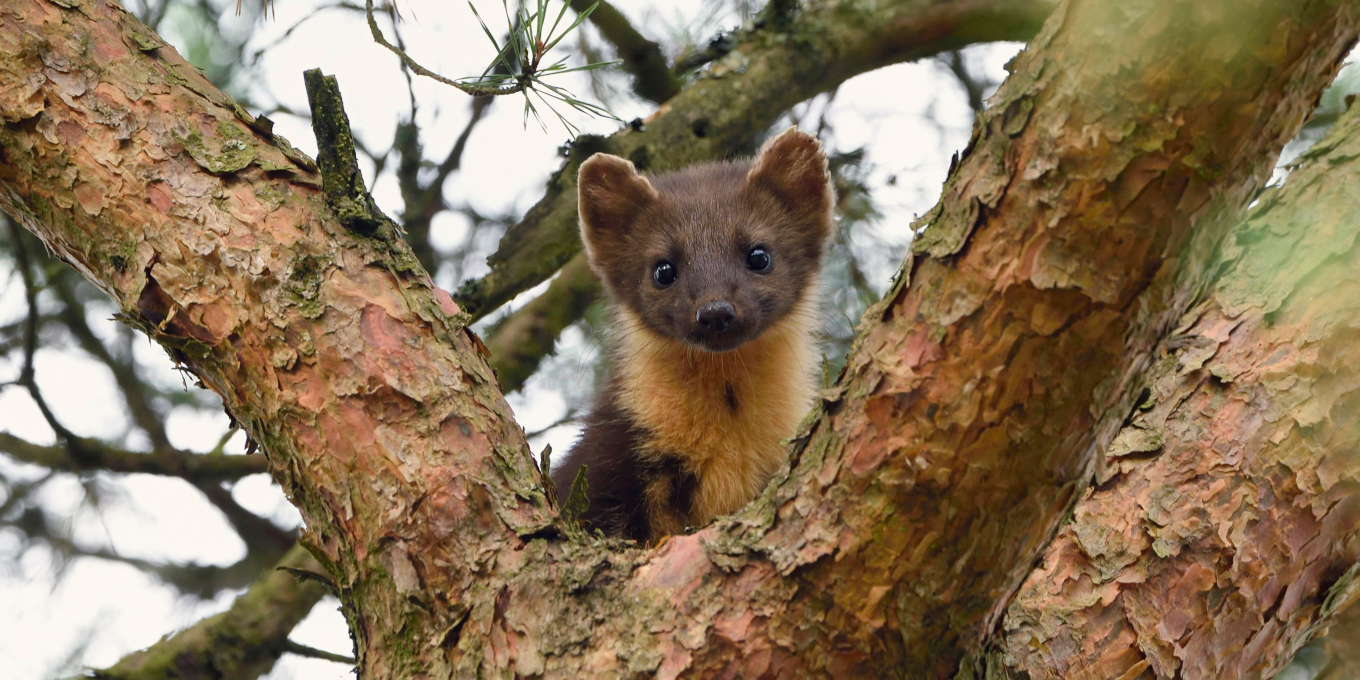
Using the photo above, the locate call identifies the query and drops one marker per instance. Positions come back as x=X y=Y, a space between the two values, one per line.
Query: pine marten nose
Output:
x=715 y=317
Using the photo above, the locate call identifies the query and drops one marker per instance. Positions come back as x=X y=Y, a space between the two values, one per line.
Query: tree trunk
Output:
x=1071 y=238
x=1227 y=517
x=1067 y=242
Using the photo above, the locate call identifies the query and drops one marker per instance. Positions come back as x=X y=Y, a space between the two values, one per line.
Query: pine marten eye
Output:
x=663 y=274
x=758 y=259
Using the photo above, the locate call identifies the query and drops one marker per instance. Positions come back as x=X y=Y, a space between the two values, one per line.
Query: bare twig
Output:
x=425 y=199
x=288 y=33
x=26 y=373
x=571 y=416
x=314 y=653
x=974 y=86
x=125 y=374
x=474 y=90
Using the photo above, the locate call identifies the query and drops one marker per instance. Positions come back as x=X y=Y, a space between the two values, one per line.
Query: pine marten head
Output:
x=715 y=253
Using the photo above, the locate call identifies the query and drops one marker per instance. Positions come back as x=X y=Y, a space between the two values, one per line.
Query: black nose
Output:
x=715 y=317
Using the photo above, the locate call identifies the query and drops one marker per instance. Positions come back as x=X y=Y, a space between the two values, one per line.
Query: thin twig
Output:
x=652 y=77
x=975 y=87
x=288 y=33
x=26 y=374
x=314 y=653
x=571 y=416
x=474 y=90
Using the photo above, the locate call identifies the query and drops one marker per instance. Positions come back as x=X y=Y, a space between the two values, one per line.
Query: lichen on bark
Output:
x=341 y=179
x=1074 y=235
x=1237 y=525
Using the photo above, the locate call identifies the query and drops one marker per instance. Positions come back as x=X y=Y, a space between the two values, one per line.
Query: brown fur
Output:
x=689 y=426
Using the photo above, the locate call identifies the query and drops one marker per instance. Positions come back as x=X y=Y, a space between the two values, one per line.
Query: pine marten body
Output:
x=711 y=273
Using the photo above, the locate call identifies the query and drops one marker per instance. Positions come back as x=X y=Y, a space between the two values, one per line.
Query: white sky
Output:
x=910 y=117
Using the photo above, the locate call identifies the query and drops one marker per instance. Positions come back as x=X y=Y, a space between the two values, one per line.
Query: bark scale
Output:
x=1227 y=517
x=922 y=491
x=975 y=401
x=374 y=405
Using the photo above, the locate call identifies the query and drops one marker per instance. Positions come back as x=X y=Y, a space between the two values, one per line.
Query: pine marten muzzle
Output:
x=711 y=275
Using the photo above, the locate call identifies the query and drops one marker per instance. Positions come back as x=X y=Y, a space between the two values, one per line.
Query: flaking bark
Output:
x=976 y=398
x=1227 y=516
x=1069 y=239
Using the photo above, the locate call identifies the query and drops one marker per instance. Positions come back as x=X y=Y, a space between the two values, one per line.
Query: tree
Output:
x=1104 y=319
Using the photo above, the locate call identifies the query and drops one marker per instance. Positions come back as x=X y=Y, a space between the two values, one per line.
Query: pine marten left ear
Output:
x=610 y=194
x=792 y=166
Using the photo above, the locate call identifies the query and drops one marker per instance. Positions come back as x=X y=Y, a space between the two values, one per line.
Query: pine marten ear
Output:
x=610 y=194
x=792 y=166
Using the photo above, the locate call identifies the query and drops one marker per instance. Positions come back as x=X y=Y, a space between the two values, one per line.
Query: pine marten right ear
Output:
x=611 y=194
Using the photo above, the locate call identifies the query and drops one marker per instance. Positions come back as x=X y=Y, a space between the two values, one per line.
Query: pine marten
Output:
x=711 y=277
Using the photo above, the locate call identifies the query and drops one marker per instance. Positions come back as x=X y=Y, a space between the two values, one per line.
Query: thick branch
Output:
x=916 y=504
x=1229 y=507
x=1342 y=646
x=519 y=342
x=978 y=394
x=740 y=97
x=241 y=643
x=330 y=347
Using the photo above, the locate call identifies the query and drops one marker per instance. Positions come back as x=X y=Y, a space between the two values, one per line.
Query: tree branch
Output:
x=241 y=643
x=96 y=455
x=408 y=62
x=520 y=341
x=973 y=87
x=424 y=200
x=927 y=485
x=259 y=533
x=1216 y=527
x=316 y=311
x=736 y=101
x=1342 y=647
x=1010 y=349
x=314 y=653
x=652 y=77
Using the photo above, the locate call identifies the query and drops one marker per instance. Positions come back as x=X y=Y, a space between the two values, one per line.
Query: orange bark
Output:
x=1070 y=238
x=977 y=397
x=1228 y=513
